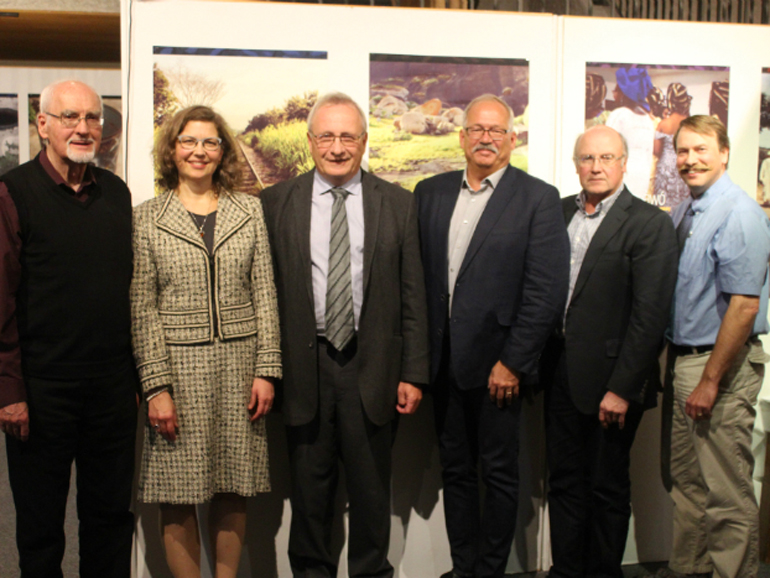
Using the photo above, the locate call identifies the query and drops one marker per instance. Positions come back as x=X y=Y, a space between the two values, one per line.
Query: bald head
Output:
x=600 y=159
x=600 y=128
x=53 y=89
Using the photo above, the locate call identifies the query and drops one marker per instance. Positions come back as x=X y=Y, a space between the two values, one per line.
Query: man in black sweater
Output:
x=67 y=382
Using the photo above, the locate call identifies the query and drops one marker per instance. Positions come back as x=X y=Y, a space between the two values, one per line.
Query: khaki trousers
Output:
x=716 y=524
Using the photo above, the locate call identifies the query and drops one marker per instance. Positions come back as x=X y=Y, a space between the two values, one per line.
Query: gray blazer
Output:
x=392 y=329
x=173 y=300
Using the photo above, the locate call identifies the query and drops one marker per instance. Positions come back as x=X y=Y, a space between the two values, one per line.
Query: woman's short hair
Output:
x=225 y=177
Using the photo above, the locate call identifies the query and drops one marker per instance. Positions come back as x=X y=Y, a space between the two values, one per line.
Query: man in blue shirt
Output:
x=716 y=362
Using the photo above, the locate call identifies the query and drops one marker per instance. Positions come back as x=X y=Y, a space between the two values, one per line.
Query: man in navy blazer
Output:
x=495 y=253
x=601 y=371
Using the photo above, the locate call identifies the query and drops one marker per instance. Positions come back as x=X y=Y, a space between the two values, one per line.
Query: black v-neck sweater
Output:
x=73 y=307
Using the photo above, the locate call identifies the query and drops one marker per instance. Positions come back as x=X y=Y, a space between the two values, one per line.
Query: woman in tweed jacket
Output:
x=206 y=341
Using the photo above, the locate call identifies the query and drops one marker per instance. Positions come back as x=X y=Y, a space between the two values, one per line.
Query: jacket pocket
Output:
x=238 y=320
x=186 y=327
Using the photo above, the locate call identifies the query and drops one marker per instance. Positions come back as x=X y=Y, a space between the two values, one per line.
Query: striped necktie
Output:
x=340 y=324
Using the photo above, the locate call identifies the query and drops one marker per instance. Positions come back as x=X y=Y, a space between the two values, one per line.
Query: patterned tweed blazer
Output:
x=173 y=299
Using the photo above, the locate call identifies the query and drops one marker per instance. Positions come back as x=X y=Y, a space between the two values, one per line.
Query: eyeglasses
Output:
x=326 y=140
x=189 y=143
x=495 y=133
x=603 y=160
x=70 y=119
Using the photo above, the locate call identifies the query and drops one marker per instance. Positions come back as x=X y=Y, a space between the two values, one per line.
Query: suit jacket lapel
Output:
x=302 y=201
x=175 y=219
x=231 y=216
x=611 y=224
x=502 y=195
x=372 y=199
x=444 y=211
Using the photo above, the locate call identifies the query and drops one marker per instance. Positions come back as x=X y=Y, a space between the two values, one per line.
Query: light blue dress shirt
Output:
x=727 y=252
x=320 y=232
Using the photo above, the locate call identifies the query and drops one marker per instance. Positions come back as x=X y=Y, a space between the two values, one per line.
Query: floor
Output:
x=642 y=571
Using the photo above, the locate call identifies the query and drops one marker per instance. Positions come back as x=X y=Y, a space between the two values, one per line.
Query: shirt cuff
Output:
x=11 y=391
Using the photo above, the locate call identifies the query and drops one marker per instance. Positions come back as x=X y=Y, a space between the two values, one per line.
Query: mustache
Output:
x=686 y=168
x=486 y=147
x=87 y=140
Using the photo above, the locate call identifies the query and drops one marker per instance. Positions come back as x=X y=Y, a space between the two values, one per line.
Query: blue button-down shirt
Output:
x=727 y=252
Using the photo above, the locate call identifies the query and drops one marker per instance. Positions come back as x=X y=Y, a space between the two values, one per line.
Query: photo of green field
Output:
x=416 y=108
x=268 y=119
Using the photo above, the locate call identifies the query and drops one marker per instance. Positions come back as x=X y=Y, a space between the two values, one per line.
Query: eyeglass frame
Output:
x=217 y=139
x=484 y=131
x=62 y=119
x=335 y=137
x=606 y=160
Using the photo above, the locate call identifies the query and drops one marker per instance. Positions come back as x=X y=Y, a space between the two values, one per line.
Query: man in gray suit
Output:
x=354 y=337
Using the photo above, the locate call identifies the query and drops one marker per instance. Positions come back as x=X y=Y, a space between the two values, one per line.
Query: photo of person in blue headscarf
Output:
x=632 y=119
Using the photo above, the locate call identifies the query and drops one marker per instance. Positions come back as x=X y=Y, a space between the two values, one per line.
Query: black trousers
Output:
x=340 y=431
x=93 y=422
x=589 y=496
x=473 y=430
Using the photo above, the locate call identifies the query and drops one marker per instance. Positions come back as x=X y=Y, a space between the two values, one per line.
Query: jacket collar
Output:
x=175 y=219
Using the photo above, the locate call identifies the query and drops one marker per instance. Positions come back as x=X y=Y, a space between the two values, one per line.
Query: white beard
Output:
x=81 y=157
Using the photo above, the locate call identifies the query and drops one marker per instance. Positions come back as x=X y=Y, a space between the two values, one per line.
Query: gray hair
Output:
x=580 y=137
x=489 y=98
x=332 y=99
x=49 y=91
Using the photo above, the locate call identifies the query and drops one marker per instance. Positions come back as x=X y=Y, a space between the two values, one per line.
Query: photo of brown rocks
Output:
x=416 y=108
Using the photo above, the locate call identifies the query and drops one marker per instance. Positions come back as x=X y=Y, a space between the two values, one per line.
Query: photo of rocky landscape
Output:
x=416 y=108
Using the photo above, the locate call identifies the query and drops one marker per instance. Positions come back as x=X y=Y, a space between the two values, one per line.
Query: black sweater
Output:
x=73 y=310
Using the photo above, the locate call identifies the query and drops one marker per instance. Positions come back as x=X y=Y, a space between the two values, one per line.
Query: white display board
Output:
x=557 y=50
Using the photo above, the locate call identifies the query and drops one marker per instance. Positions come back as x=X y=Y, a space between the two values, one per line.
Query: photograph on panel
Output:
x=763 y=169
x=263 y=95
x=109 y=153
x=646 y=103
x=9 y=132
x=416 y=108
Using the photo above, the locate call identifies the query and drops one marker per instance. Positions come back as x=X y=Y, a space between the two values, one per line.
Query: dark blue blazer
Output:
x=512 y=285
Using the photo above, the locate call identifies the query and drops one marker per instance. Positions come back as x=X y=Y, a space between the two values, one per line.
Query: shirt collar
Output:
x=604 y=206
x=88 y=176
x=712 y=194
x=321 y=185
x=493 y=180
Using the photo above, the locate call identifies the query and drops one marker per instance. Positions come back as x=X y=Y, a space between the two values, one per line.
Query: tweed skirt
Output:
x=217 y=449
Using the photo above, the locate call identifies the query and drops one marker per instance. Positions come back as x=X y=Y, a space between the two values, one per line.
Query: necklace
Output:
x=202 y=226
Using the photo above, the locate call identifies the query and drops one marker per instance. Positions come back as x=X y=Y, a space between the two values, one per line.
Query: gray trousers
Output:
x=716 y=524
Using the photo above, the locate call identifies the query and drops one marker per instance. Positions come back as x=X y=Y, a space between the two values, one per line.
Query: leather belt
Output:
x=689 y=349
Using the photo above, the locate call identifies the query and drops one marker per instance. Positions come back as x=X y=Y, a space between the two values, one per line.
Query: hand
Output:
x=503 y=385
x=701 y=401
x=161 y=413
x=14 y=420
x=613 y=410
x=409 y=397
x=262 y=396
